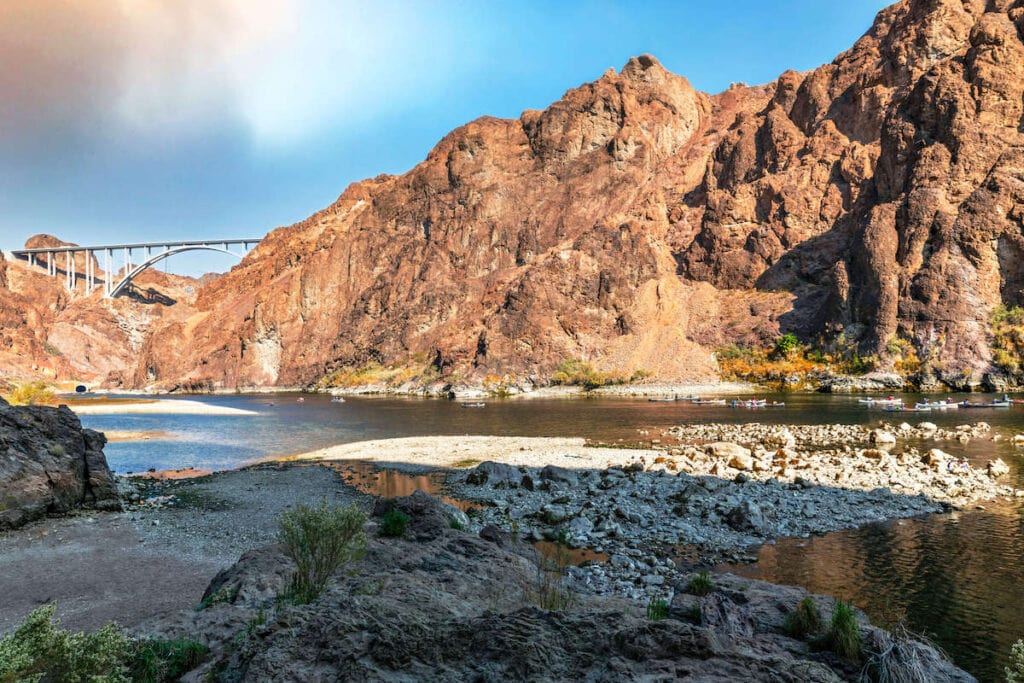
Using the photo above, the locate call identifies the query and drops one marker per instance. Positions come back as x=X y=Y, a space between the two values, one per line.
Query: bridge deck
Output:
x=138 y=245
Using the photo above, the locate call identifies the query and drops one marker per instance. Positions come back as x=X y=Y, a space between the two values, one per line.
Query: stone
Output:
x=722 y=449
x=997 y=468
x=50 y=465
x=928 y=427
x=881 y=437
x=493 y=473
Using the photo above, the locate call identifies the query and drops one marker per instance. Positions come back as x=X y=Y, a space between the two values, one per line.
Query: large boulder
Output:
x=50 y=464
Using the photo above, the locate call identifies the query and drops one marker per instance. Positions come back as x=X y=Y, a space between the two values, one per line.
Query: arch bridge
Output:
x=116 y=282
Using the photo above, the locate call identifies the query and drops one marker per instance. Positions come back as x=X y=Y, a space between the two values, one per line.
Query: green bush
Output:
x=394 y=523
x=31 y=394
x=320 y=540
x=160 y=661
x=700 y=584
x=657 y=609
x=804 y=619
x=786 y=345
x=38 y=650
x=1015 y=672
x=843 y=635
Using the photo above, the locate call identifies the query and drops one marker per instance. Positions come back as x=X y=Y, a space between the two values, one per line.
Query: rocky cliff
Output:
x=639 y=224
x=50 y=465
x=58 y=335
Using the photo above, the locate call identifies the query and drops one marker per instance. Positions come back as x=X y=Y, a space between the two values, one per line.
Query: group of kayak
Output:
x=700 y=401
x=893 y=404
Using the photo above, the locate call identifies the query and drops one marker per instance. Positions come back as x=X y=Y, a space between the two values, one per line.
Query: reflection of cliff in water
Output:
x=957 y=579
x=366 y=477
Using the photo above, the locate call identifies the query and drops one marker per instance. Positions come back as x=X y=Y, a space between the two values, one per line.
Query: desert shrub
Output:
x=393 y=523
x=31 y=394
x=804 y=619
x=160 y=661
x=786 y=345
x=1008 y=338
x=904 y=355
x=416 y=368
x=1015 y=672
x=657 y=609
x=700 y=584
x=577 y=372
x=319 y=540
x=843 y=636
x=38 y=650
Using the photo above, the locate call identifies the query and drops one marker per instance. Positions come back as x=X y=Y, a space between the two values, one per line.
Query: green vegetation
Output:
x=225 y=595
x=700 y=584
x=394 y=523
x=415 y=369
x=657 y=609
x=843 y=635
x=31 y=394
x=786 y=345
x=1015 y=672
x=788 y=358
x=804 y=620
x=56 y=450
x=904 y=356
x=320 y=540
x=579 y=373
x=456 y=524
x=157 y=661
x=38 y=650
x=1008 y=338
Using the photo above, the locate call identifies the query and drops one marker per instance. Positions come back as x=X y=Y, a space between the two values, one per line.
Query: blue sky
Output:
x=176 y=119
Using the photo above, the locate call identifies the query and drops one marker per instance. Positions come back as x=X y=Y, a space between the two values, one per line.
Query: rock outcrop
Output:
x=49 y=464
x=445 y=605
x=639 y=224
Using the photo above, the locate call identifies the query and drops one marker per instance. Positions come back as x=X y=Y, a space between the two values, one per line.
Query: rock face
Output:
x=50 y=464
x=638 y=223
x=49 y=333
x=450 y=606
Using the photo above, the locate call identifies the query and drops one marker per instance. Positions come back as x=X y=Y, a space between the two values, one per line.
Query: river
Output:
x=957 y=579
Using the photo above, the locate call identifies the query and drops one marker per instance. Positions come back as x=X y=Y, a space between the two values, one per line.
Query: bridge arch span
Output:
x=148 y=263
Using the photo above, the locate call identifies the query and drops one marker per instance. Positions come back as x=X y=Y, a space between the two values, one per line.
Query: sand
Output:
x=157 y=407
x=460 y=452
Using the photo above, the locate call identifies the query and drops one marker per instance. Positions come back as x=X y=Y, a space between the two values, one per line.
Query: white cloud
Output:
x=285 y=70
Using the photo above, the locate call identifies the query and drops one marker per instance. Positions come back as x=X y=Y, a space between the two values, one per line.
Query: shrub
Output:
x=700 y=584
x=38 y=650
x=1015 y=672
x=843 y=635
x=552 y=591
x=394 y=523
x=657 y=609
x=31 y=394
x=786 y=345
x=320 y=540
x=804 y=619
x=1008 y=338
x=157 y=661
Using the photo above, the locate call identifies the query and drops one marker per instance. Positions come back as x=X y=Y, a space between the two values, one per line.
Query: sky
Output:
x=147 y=120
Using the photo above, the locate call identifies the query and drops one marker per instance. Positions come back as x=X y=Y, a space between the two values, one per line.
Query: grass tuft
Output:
x=393 y=523
x=36 y=393
x=700 y=584
x=805 y=619
x=320 y=540
x=160 y=661
x=657 y=609
x=843 y=636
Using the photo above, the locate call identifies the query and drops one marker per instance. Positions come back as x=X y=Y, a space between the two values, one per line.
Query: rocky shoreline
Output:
x=723 y=491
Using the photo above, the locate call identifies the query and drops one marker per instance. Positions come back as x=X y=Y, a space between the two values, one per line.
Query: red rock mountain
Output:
x=638 y=223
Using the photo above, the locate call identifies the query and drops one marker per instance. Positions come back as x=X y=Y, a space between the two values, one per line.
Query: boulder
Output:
x=428 y=516
x=879 y=437
x=52 y=465
x=936 y=459
x=725 y=449
x=997 y=468
x=494 y=473
x=928 y=427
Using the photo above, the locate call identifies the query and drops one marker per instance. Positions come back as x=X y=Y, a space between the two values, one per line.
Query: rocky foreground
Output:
x=446 y=605
x=724 y=491
x=50 y=465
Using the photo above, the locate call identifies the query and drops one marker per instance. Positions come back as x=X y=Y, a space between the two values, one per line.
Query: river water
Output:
x=957 y=579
